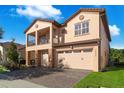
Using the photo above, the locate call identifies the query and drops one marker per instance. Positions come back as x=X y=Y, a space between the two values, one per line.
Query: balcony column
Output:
x=51 y=35
x=51 y=57
x=26 y=40
x=36 y=38
x=50 y=51
x=27 y=52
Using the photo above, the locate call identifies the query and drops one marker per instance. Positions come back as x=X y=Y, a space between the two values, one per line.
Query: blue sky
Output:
x=15 y=19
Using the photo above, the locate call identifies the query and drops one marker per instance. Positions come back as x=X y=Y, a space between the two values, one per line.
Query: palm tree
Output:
x=1 y=33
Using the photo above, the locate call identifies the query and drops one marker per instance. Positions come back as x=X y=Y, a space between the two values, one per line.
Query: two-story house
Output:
x=81 y=42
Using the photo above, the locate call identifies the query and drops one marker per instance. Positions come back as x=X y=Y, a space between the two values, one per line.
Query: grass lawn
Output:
x=113 y=78
x=3 y=69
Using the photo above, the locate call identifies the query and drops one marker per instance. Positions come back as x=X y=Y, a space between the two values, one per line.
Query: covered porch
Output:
x=43 y=58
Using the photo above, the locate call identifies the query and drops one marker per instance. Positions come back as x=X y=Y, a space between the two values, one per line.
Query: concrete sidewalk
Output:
x=18 y=84
x=8 y=82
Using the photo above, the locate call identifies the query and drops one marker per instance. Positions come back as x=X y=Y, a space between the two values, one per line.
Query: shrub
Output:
x=3 y=69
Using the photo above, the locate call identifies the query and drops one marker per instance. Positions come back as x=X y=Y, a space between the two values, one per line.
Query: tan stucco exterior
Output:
x=104 y=58
x=93 y=19
x=64 y=44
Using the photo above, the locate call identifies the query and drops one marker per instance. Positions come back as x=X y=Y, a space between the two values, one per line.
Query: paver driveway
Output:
x=50 y=78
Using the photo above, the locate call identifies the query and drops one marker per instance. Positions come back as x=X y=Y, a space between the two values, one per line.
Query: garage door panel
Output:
x=81 y=59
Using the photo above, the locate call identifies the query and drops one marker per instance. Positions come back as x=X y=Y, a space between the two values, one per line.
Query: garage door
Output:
x=78 y=59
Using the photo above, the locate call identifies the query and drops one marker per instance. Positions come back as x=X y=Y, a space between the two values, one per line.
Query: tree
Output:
x=1 y=33
x=116 y=55
x=12 y=54
x=1 y=36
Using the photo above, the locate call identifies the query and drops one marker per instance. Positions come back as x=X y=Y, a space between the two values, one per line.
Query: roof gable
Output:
x=84 y=10
x=43 y=20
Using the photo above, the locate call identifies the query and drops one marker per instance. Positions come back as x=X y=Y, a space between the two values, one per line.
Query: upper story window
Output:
x=81 y=28
x=77 y=29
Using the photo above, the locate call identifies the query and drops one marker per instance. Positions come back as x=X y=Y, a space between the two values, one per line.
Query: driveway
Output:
x=49 y=77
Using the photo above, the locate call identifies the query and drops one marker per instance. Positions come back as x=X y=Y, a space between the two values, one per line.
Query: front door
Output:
x=44 y=58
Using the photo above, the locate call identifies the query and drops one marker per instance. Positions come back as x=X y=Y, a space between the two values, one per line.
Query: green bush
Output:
x=3 y=69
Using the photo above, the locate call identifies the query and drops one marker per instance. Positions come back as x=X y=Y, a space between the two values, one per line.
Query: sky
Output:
x=15 y=19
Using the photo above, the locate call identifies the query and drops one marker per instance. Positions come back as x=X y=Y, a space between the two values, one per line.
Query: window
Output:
x=77 y=51
x=77 y=29
x=87 y=50
x=60 y=52
x=85 y=27
x=68 y=51
x=43 y=40
x=81 y=28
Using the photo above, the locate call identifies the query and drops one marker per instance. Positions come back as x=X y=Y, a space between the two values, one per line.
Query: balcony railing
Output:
x=31 y=42
x=55 y=40
x=45 y=41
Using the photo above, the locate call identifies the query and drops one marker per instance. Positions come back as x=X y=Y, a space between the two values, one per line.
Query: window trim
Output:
x=81 y=28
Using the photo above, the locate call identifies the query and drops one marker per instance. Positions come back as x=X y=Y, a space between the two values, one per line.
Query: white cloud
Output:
x=17 y=41
x=34 y=11
x=118 y=46
x=114 y=30
x=5 y=40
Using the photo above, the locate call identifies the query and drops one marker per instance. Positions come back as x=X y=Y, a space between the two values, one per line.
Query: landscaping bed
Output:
x=112 y=78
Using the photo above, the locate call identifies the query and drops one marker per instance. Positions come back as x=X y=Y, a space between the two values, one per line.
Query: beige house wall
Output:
x=92 y=17
x=39 y=47
x=104 y=47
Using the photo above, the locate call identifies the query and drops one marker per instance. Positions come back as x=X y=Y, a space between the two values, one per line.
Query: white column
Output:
x=36 y=38
x=51 y=35
x=26 y=40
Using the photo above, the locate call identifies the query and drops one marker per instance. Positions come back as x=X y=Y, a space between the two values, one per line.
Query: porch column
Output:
x=27 y=58
x=26 y=40
x=37 y=58
x=36 y=38
x=51 y=57
x=51 y=35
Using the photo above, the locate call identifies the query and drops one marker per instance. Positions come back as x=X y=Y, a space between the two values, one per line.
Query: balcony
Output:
x=31 y=39
x=43 y=36
x=39 y=37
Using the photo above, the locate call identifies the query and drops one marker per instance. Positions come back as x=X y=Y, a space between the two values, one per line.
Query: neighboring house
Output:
x=21 y=52
x=2 y=54
x=81 y=42
x=3 y=51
